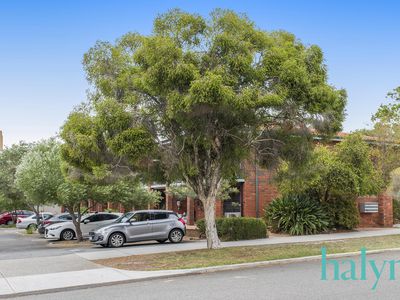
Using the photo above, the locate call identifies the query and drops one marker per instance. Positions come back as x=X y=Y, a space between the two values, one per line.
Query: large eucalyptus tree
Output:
x=196 y=97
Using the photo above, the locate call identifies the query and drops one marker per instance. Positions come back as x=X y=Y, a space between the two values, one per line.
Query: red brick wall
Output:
x=267 y=191
x=384 y=216
x=368 y=219
x=385 y=210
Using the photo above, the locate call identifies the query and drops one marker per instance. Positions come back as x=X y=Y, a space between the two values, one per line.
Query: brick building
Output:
x=256 y=192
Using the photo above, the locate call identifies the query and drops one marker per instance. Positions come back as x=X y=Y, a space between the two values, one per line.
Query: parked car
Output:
x=143 y=225
x=66 y=230
x=8 y=218
x=31 y=221
x=64 y=217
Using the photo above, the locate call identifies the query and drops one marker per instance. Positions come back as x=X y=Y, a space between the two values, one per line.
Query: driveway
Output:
x=14 y=244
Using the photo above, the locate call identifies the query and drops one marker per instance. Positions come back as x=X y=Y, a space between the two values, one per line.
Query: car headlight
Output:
x=55 y=228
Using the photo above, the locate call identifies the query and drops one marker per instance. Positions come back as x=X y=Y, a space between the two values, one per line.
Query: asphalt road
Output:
x=15 y=245
x=290 y=281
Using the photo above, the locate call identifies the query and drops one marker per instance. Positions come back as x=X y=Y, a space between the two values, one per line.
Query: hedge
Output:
x=235 y=229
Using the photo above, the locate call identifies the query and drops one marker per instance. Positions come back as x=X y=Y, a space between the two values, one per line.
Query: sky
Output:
x=42 y=44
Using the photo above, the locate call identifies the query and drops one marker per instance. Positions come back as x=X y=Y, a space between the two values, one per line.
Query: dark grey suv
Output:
x=142 y=225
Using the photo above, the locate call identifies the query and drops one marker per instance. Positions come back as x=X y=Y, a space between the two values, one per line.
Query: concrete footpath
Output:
x=76 y=270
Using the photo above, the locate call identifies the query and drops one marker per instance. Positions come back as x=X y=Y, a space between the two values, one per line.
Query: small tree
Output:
x=11 y=197
x=71 y=195
x=38 y=175
x=386 y=134
x=199 y=95
x=335 y=177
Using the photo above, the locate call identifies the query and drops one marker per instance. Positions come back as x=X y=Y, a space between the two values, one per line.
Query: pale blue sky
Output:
x=42 y=44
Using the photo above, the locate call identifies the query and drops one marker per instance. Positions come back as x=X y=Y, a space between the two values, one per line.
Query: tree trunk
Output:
x=213 y=241
x=78 y=230
x=76 y=220
x=38 y=215
x=35 y=209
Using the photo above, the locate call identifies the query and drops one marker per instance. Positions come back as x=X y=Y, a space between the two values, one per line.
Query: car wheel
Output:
x=67 y=235
x=10 y=222
x=32 y=226
x=175 y=236
x=116 y=240
x=162 y=241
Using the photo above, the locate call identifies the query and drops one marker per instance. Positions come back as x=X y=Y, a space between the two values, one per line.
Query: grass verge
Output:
x=236 y=255
x=8 y=226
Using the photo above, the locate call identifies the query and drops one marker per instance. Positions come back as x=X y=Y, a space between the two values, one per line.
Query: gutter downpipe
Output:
x=256 y=185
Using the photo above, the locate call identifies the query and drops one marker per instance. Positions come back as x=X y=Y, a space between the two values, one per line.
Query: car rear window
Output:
x=173 y=216
x=160 y=216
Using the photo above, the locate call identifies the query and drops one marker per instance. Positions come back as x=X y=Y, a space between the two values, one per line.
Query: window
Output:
x=233 y=204
x=97 y=218
x=110 y=217
x=160 y=216
x=141 y=217
x=125 y=218
x=65 y=217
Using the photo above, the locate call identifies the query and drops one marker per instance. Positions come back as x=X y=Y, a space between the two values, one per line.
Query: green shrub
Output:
x=235 y=229
x=296 y=215
x=30 y=230
x=343 y=213
x=396 y=211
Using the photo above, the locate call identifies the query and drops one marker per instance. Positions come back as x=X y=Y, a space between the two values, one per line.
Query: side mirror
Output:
x=86 y=221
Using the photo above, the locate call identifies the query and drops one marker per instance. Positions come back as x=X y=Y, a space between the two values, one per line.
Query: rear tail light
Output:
x=45 y=222
x=19 y=220
x=182 y=221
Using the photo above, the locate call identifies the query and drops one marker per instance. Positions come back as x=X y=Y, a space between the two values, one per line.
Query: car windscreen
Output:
x=125 y=218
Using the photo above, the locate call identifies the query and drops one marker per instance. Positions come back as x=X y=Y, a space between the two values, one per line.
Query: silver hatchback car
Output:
x=142 y=225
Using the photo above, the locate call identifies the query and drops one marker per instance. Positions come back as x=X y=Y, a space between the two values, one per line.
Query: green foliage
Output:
x=356 y=154
x=38 y=175
x=30 y=230
x=198 y=95
x=343 y=212
x=386 y=136
x=181 y=191
x=223 y=70
x=396 y=211
x=334 y=176
x=343 y=170
x=296 y=215
x=235 y=229
x=71 y=194
x=394 y=187
x=11 y=197
x=129 y=194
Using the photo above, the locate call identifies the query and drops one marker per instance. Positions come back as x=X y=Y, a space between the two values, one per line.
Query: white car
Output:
x=89 y=222
x=31 y=221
